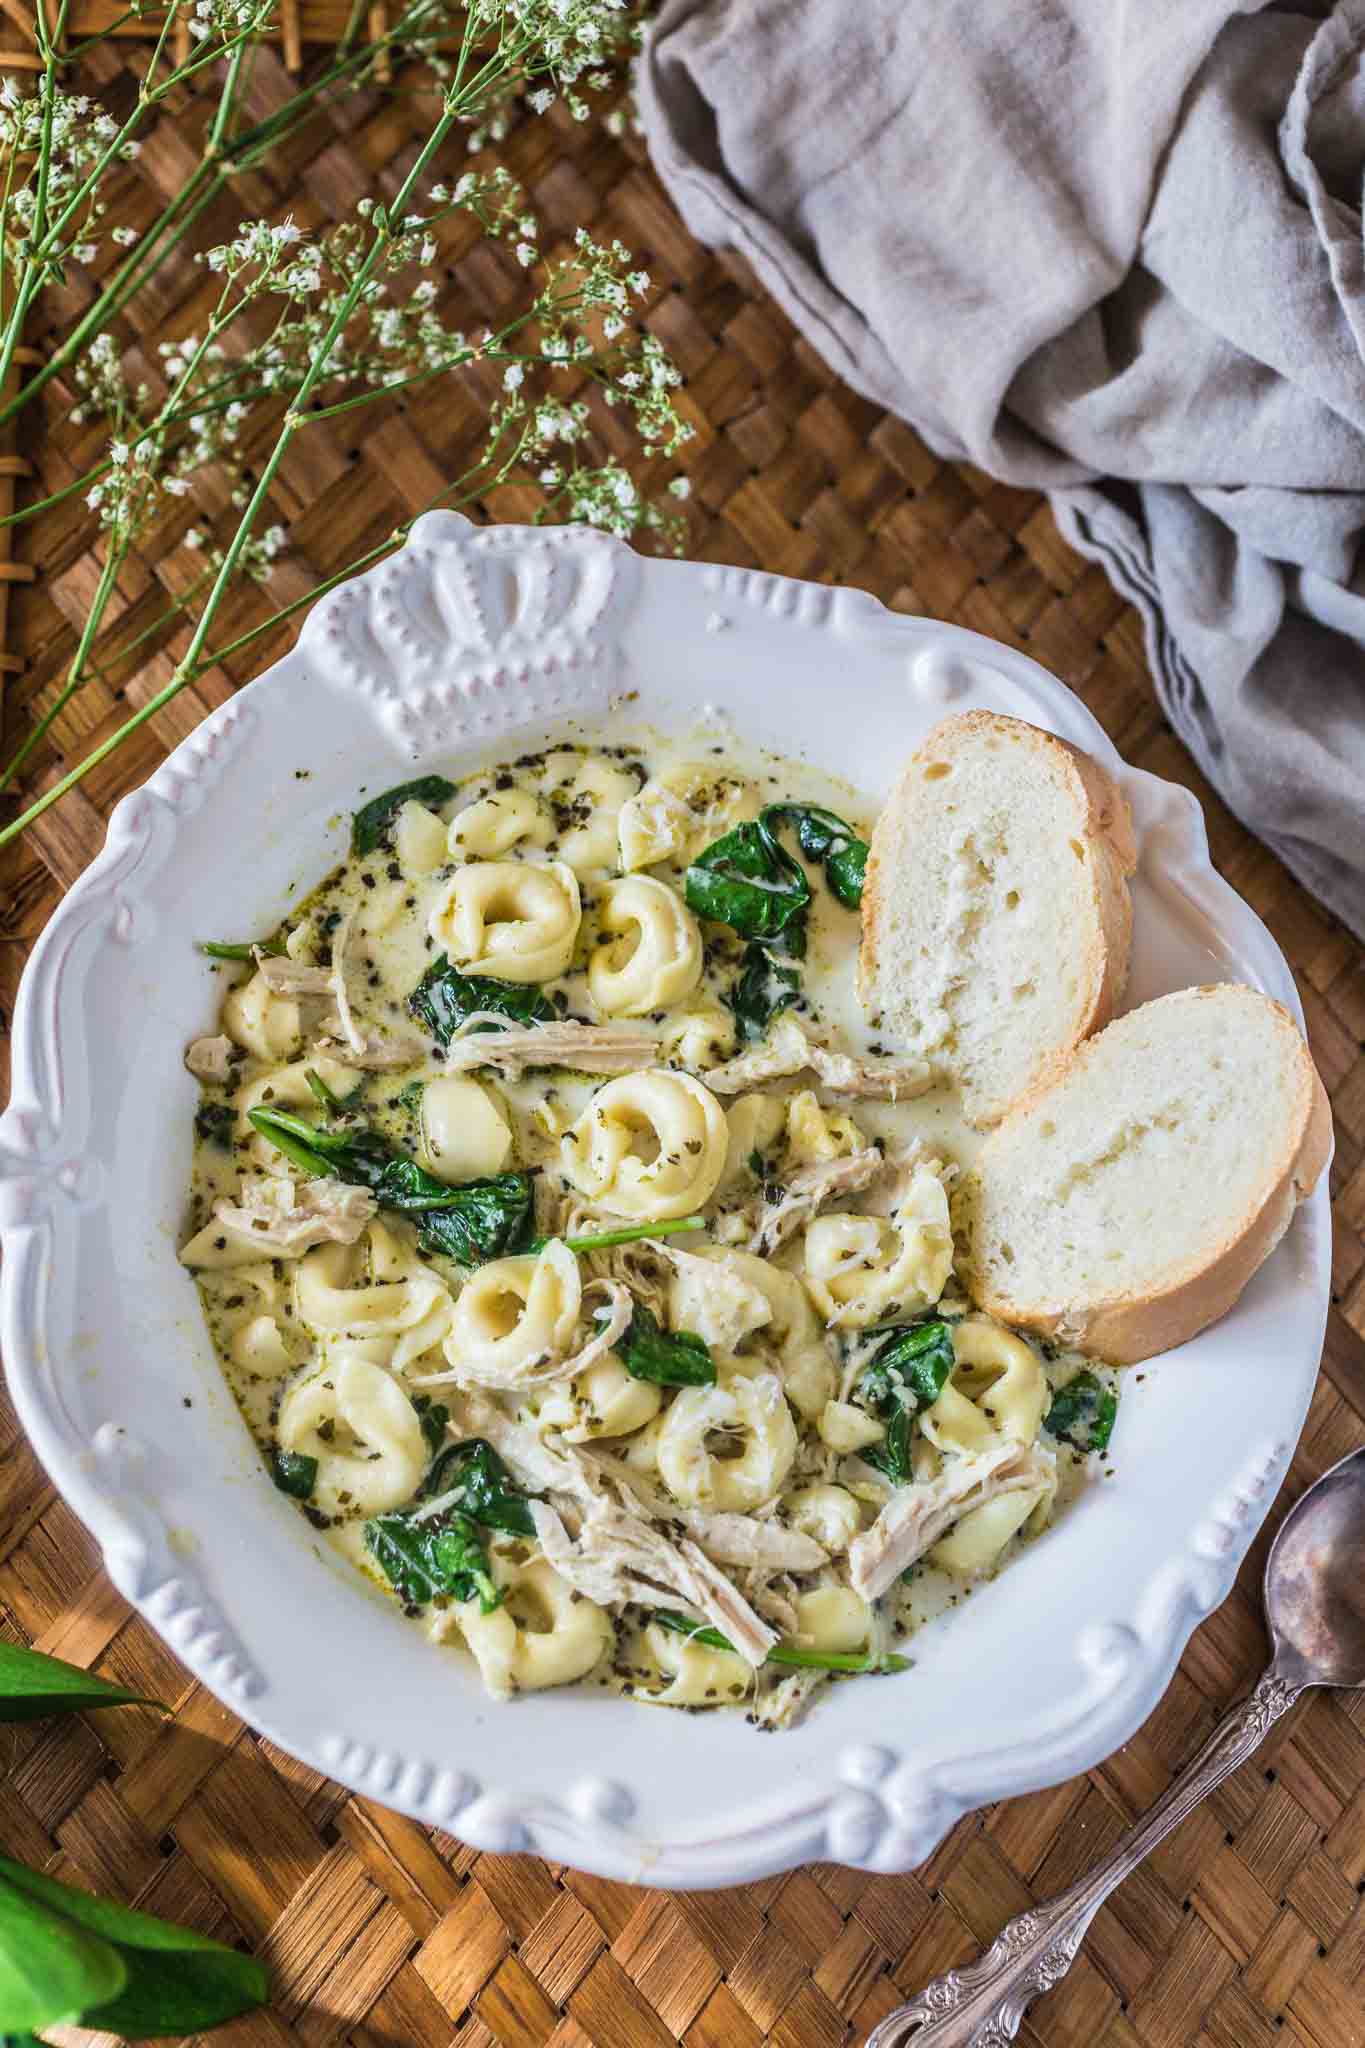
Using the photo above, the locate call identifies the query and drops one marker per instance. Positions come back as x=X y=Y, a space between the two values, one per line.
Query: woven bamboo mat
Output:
x=1248 y=1927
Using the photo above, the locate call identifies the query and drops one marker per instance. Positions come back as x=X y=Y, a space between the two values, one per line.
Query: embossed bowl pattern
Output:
x=465 y=641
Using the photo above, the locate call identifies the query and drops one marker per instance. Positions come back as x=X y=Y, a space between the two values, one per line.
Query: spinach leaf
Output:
x=486 y=1491
x=434 y=1417
x=824 y=837
x=213 y=1121
x=904 y=1375
x=294 y=1473
x=33 y=1686
x=479 y=1220
x=65 y=1956
x=327 y=1098
x=410 y=1098
x=873 y=1662
x=443 y=1555
x=444 y=997
x=372 y=821
x=220 y=949
x=670 y=1359
x=1083 y=1413
x=748 y=880
x=765 y=986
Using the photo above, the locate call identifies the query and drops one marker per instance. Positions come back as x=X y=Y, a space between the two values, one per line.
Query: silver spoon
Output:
x=1315 y=1608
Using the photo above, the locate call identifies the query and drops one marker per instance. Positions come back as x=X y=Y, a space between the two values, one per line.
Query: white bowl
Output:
x=434 y=659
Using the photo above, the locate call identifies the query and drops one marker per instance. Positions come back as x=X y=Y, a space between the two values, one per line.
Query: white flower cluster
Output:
x=229 y=19
x=80 y=136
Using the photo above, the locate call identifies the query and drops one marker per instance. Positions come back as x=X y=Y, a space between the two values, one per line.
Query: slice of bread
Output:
x=996 y=912
x=1126 y=1205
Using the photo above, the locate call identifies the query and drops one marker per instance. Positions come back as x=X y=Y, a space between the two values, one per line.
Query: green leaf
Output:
x=441 y=1556
x=169 y=1980
x=482 y=1220
x=868 y=1662
x=825 y=837
x=294 y=1473
x=486 y=1490
x=905 y=1375
x=1083 y=1413
x=749 y=881
x=327 y=1098
x=479 y=1220
x=629 y=1233
x=434 y=1417
x=213 y=1122
x=372 y=821
x=669 y=1359
x=764 y=987
x=51 y=1970
x=247 y=949
x=444 y=997
x=33 y=1686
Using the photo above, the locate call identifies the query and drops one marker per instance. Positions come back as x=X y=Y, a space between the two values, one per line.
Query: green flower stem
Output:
x=113 y=561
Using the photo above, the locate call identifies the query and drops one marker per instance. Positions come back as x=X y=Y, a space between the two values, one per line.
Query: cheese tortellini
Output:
x=792 y=1332
x=651 y=826
x=509 y=920
x=594 y=799
x=651 y=957
x=364 y=1432
x=466 y=1134
x=864 y=1269
x=419 y=839
x=997 y=1388
x=695 y=1674
x=373 y=1292
x=601 y=1401
x=542 y=1634
x=648 y=1146
x=495 y=824
x=514 y=1318
x=261 y=1022
x=728 y=1447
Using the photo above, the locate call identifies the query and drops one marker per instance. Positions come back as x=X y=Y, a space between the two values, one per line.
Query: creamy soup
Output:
x=582 y=1260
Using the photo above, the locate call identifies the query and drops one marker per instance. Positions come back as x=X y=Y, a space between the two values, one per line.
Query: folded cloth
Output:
x=1114 y=252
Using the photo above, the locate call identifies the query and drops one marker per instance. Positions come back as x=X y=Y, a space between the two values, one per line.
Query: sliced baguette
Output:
x=996 y=912
x=1126 y=1205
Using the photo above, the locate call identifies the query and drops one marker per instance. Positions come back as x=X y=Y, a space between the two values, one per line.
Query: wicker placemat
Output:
x=1248 y=1928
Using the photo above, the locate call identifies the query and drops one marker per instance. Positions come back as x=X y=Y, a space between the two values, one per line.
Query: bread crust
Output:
x=1106 y=826
x=1123 y=1329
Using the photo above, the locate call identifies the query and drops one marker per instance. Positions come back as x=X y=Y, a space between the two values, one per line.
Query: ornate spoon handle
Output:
x=982 y=2005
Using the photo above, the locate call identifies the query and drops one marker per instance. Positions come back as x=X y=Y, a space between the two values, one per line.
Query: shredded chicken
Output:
x=786 y=1702
x=210 y=1059
x=750 y=1541
x=586 y=1048
x=288 y=1217
x=286 y=977
x=788 y=1050
x=616 y=1554
x=870 y=1077
x=916 y=1516
x=373 y=1054
x=341 y=942
x=806 y=1193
